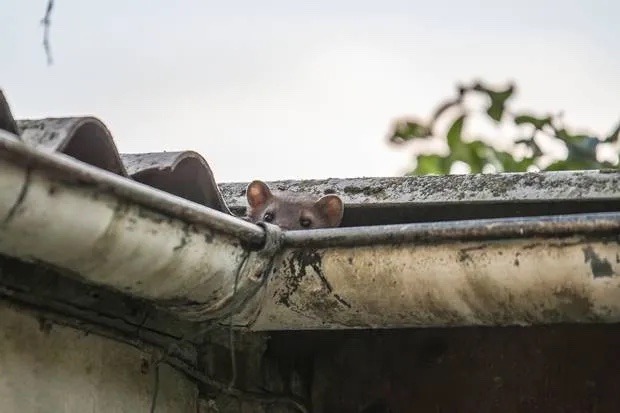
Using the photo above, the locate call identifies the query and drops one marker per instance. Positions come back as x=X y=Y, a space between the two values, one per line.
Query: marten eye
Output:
x=305 y=222
x=268 y=217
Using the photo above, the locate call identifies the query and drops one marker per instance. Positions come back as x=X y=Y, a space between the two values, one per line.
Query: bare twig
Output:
x=46 y=22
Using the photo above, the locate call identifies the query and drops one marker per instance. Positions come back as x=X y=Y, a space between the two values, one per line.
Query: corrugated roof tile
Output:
x=185 y=174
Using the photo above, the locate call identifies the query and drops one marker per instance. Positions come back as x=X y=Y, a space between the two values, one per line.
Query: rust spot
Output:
x=600 y=266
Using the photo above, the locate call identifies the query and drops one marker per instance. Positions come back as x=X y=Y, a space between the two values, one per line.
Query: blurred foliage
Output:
x=483 y=156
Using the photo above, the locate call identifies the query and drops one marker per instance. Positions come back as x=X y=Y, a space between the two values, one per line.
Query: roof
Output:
x=187 y=174
x=511 y=248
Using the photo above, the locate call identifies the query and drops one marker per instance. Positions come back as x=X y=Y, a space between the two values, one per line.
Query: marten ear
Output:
x=332 y=208
x=257 y=194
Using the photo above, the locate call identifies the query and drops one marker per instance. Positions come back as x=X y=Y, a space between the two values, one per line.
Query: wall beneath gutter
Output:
x=568 y=369
x=48 y=368
x=560 y=368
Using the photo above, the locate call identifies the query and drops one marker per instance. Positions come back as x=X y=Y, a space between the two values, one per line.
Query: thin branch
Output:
x=46 y=22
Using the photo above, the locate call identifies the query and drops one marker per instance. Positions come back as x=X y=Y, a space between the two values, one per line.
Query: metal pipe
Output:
x=597 y=224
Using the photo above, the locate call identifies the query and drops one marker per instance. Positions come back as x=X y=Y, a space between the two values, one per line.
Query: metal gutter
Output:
x=204 y=264
x=69 y=170
x=114 y=232
x=503 y=271
x=538 y=270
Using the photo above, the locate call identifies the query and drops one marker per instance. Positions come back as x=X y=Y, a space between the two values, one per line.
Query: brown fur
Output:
x=292 y=212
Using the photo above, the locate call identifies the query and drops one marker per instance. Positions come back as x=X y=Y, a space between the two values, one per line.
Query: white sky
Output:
x=292 y=90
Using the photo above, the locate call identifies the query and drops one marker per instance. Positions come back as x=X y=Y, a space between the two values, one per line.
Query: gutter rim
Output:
x=424 y=233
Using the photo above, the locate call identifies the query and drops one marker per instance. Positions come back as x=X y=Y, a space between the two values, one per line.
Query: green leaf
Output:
x=454 y=133
x=408 y=130
x=498 y=103
x=538 y=123
x=475 y=156
x=431 y=164
x=498 y=100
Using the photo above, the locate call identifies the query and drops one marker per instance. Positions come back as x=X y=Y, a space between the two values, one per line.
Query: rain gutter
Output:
x=204 y=264
x=114 y=232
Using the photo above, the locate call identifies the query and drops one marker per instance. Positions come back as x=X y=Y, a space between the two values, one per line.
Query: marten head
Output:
x=292 y=211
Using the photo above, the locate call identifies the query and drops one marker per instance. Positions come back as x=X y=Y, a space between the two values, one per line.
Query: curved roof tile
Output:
x=185 y=174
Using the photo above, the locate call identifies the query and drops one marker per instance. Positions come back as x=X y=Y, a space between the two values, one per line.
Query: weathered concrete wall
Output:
x=47 y=368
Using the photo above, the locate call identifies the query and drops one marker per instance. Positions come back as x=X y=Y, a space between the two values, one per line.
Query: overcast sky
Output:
x=290 y=89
